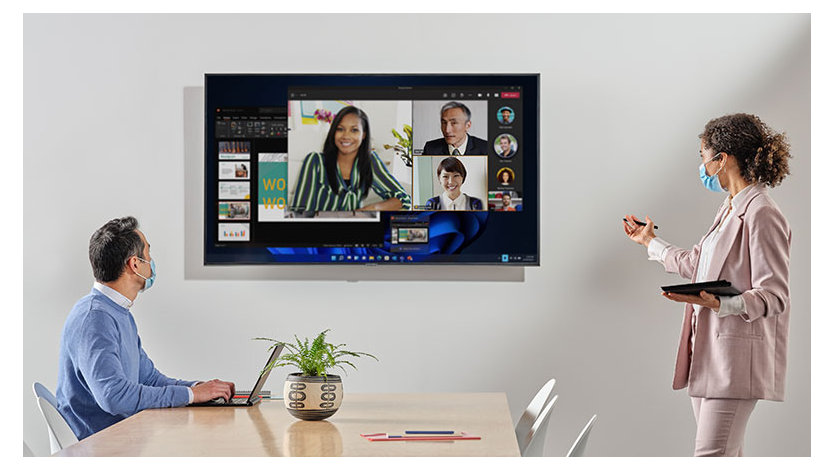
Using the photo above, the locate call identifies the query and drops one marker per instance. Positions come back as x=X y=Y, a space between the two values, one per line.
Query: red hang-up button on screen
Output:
x=510 y=94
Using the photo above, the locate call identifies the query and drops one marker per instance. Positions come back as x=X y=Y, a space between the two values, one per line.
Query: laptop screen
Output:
x=265 y=373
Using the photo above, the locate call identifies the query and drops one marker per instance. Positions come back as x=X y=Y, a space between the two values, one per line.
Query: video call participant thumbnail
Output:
x=506 y=177
x=505 y=146
x=340 y=177
x=506 y=203
x=455 y=122
x=506 y=116
x=451 y=173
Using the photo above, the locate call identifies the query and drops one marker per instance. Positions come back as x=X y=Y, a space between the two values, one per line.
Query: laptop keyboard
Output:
x=235 y=401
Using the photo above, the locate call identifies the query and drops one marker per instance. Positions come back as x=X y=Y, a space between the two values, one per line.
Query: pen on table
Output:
x=462 y=437
x=638 y=222
x=429 y=432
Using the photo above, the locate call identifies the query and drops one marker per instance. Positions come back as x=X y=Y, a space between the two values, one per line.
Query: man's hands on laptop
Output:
x=207 y=391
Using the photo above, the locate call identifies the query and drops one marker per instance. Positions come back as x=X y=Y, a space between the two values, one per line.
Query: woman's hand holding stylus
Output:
x=641 y=234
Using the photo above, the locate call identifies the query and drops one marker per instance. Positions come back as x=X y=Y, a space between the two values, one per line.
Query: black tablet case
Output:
x=713 y=287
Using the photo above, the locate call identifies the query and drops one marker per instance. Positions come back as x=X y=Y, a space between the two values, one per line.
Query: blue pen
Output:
x=429 y=432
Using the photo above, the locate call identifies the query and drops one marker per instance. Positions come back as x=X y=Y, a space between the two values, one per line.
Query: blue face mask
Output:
x=148 y=280
x=711 y=182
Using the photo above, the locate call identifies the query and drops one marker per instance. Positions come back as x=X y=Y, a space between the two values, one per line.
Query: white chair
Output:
x=534 y=409
x=535 y=438
x=27 y=452
x=41 y=391
x=60 y=434
x=578 y=448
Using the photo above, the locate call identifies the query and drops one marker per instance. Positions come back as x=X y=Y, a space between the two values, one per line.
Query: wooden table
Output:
x=267 y=429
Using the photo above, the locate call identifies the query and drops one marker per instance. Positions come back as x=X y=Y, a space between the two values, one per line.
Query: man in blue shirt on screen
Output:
x=104 y=374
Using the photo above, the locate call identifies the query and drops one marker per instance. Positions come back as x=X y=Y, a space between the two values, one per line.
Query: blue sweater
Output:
x=104 y=375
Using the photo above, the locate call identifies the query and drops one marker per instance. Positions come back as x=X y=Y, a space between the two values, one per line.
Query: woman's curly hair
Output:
x=761 y=153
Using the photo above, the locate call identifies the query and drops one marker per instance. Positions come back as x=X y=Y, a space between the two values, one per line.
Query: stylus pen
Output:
x=638 y=222
x=429 y=432
x=424 y=438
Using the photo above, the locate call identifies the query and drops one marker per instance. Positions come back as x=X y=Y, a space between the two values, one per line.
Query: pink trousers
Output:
x=721 y=424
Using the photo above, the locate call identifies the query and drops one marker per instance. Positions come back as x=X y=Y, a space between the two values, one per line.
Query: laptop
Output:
x=254 y=396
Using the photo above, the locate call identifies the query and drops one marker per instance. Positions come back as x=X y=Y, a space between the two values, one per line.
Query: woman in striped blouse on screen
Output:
x=340 y=177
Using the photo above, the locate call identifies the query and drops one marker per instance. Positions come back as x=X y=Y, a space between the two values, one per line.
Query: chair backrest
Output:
x=60 y=434
x=535 y=439
x=578 y=447
x=43 y=392
x=27 y=452
x=534 y=409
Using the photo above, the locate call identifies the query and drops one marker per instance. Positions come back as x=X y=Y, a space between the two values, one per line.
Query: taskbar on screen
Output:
x=385 y=259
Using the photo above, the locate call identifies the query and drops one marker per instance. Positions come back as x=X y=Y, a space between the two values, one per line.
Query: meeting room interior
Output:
x=233 y=247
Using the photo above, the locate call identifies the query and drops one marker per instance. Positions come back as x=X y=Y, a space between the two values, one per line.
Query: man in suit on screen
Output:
x=455 y=121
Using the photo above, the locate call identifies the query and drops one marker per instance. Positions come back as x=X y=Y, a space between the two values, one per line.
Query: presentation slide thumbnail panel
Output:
x=233 y=150
x=236 y=190
x=233 y=232
x=233 y=170
x=233 y=210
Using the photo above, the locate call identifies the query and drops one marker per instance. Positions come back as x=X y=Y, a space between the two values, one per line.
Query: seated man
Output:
x=455 y=122
x=104 y=374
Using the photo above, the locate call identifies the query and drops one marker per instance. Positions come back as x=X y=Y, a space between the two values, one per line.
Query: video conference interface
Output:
x=430 y=149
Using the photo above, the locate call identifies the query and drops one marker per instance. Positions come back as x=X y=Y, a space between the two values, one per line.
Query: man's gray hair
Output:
x=456 y=104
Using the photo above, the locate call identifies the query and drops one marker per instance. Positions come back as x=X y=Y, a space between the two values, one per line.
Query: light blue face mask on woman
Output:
x=711 y=182
x=148 y=280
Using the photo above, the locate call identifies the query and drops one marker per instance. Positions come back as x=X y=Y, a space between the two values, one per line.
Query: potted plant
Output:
x=313 y=394
x=403 y=145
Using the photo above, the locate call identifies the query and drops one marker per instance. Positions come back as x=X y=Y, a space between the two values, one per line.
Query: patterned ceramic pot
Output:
x=312 y=397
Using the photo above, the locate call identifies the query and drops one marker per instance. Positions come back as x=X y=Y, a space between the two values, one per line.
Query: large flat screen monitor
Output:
x=379 y=169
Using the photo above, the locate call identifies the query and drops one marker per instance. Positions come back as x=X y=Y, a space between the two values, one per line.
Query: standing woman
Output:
x=732 y=350
x=340 y=177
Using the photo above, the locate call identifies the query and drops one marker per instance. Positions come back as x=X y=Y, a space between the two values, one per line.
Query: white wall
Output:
x=623 y=99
